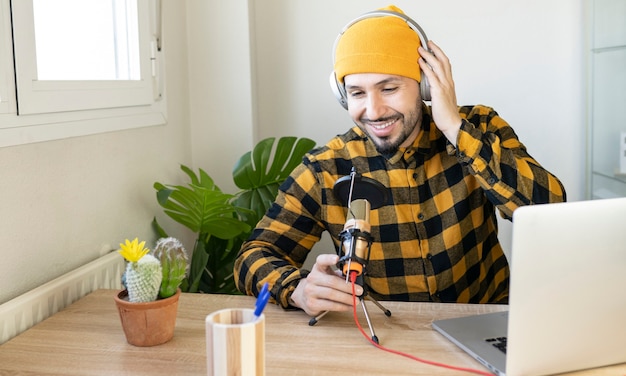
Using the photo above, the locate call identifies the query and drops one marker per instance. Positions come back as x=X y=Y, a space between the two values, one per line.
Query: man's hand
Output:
x=438 y=70
x=324 y=289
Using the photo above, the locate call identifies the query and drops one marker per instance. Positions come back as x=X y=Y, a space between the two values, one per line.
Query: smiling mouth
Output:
x=381 y=126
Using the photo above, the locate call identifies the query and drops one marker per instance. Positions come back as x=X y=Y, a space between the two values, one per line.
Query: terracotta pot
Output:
x=149 y=323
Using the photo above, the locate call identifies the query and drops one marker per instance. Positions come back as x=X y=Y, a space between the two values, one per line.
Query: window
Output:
x=80 y=67
x=106 y=48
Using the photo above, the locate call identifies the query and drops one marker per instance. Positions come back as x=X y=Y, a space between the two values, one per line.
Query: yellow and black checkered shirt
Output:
x=435 y=239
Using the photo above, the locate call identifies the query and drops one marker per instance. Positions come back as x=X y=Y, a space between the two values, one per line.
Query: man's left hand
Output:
x=436 y=66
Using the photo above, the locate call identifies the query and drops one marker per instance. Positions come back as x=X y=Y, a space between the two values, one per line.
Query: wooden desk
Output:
x=87 y=339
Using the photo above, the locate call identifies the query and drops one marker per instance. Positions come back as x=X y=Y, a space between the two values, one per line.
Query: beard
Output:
x=389 y=145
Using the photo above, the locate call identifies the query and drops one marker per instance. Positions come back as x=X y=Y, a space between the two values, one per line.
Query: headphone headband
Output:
x=339 y=89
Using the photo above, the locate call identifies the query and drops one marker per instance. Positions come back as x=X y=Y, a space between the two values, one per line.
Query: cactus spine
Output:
x=143 y=279
x=173 y=258
x=143 y=272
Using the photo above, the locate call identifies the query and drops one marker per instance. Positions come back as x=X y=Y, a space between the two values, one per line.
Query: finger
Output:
x=430 y=66
x=324 y=278
x=426 y=57
x=314 y=297
x=326 y=260
x=437 y=51
x=427 y=69
x=429 y=76
x=442 y=59
x=323 y=274
x=329 y=299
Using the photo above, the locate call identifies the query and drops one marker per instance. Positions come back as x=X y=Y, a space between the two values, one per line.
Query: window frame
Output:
x=59 y=122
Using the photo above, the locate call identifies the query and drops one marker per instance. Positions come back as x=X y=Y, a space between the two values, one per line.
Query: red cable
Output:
x=353 y=276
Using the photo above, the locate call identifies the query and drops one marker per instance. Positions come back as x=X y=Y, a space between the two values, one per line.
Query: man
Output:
x=446 y=168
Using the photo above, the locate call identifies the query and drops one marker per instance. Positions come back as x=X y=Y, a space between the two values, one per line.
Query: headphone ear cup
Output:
x=338 y=90
x=425 y=88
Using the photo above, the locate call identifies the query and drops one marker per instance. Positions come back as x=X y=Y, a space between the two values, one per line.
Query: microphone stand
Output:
x=353 y=235
x=359 y=281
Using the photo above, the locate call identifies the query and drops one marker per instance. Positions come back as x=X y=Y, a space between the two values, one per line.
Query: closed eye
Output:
x=360 y=93
x=356 y=93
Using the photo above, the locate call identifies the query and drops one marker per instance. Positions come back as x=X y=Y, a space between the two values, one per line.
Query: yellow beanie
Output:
x=384 y=44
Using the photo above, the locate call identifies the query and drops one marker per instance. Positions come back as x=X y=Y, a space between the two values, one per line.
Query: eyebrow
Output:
x=379 y=83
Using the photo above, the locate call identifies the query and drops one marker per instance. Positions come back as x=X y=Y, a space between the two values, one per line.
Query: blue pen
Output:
x=261 y=300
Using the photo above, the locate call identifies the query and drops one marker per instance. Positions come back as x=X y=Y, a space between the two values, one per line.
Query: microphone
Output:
x=360 y=194
x=356 y=239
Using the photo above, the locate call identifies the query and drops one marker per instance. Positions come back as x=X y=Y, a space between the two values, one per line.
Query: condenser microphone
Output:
x=360 y=194
x=356 y=238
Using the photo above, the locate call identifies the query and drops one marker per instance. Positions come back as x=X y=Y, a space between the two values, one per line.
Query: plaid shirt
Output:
x=436 y=237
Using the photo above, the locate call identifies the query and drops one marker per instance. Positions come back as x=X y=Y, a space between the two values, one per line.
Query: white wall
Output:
x=220 y=86
x=64 y=203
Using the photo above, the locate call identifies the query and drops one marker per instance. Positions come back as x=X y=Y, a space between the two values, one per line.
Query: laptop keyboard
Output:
x=498 y=342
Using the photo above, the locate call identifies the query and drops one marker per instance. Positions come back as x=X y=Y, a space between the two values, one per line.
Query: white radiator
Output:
x=32 y=307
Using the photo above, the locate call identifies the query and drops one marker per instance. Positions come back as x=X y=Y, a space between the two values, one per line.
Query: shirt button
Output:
x=415 y=175
x=491 y=180
x=420 y=216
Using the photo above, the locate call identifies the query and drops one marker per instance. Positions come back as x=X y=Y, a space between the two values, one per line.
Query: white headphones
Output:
x=339 y=89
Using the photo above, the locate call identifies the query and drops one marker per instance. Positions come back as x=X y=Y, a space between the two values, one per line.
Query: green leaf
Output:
x=252 y=171
x=192 y=175
x=197 y=265
x=222 y=221
x=259 y=175
x=201 y=207
x=158 y=229
x=219 y=267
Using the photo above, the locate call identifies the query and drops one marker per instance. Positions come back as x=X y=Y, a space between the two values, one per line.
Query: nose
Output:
x=374 y=106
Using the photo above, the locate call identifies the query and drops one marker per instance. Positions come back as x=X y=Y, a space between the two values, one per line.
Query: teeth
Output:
x=383 y=126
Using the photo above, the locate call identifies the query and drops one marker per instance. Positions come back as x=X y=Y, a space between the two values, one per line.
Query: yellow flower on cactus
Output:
x=133 y=251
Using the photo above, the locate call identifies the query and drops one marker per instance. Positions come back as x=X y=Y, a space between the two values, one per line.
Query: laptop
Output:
x=567 y=298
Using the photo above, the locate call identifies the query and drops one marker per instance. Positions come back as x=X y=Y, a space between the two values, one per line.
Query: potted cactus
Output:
x=149 y=303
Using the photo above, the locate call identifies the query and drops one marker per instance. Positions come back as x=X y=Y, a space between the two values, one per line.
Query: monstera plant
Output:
x=223 y=221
